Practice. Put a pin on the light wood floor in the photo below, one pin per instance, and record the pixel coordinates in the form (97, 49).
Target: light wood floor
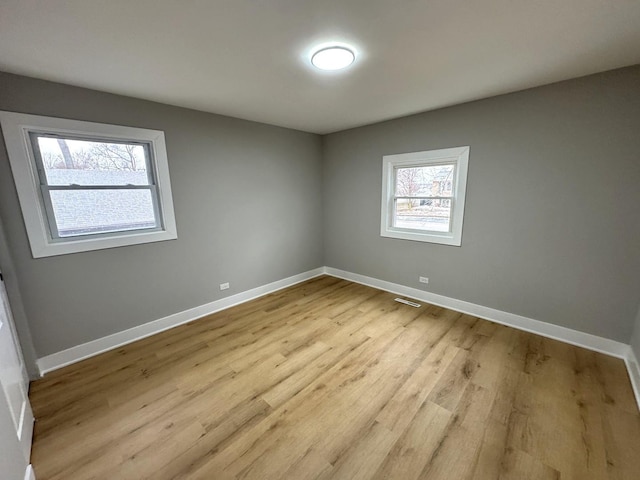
(330, 379)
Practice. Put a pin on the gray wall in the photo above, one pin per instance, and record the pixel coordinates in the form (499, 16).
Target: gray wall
(248, 205)
(635, 339)
(551, 228)
(552, 223)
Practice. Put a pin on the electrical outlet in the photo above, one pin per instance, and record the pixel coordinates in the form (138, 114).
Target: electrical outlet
(423, 279)
(224, 286)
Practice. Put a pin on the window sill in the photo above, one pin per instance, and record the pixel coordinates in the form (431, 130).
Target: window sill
(49, 249)
(430, 237)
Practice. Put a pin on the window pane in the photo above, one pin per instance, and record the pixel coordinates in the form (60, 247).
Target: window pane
(69, 161)
(432, 215)
(429, 181)
(83, 212)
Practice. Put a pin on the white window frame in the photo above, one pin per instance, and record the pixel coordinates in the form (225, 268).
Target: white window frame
(16, 128)
(458, 156)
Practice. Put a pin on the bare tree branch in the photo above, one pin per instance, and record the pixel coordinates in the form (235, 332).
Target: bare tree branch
(120, 157)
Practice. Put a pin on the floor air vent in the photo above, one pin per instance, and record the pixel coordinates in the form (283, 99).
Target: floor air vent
(407, 302)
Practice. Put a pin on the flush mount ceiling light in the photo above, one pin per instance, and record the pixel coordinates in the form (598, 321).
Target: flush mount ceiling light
(334, 57)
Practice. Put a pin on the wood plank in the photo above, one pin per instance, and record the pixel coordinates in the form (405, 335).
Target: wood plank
(418, 445)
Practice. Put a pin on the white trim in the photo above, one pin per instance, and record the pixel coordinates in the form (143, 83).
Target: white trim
(29, 474)
(633, 367)
(25, 432)
(16, 128)
(80, 352)
(458, 156)
(567, 335)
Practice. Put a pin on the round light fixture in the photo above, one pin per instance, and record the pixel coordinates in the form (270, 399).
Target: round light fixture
(333, 58)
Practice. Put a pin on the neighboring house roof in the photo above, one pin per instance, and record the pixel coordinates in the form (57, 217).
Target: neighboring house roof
(87, 211)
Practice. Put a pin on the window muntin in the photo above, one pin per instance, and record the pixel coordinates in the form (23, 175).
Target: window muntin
(87, 186)
(423, 195)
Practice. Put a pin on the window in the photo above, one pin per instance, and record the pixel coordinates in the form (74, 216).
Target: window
(423, 195)
(88, 186)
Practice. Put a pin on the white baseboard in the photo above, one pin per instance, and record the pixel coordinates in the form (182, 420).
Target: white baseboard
(29, 474)
(633, 367)
(567, 335)
(80, 352)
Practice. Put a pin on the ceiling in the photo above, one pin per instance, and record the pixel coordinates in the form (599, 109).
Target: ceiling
(250, 58)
